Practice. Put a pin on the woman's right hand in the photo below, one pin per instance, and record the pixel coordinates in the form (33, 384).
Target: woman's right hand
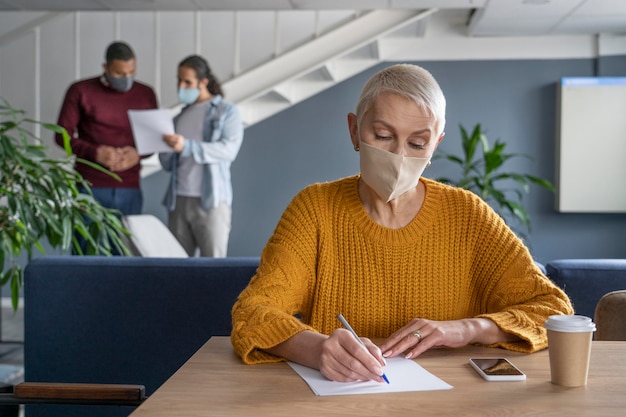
(344, 359)
(339, 357)
(174, 141)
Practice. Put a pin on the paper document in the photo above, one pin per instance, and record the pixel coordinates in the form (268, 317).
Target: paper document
(404, 375)
(148, 128)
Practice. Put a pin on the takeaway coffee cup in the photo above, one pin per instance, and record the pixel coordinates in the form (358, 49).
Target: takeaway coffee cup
(569, 345)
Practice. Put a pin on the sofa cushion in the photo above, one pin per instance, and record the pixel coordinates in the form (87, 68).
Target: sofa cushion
(586, 280)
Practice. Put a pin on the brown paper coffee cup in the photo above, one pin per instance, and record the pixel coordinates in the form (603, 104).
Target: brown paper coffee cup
(569, 347)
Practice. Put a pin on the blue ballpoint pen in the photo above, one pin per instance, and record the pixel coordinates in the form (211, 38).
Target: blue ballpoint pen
(351, 330)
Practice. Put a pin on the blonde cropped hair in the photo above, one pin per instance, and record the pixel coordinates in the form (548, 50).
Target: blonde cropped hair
(408, 81)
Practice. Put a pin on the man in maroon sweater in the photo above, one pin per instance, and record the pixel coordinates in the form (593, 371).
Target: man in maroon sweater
(95, 114)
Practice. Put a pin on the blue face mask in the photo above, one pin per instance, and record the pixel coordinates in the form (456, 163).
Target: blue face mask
(121, 84)
(188, 95)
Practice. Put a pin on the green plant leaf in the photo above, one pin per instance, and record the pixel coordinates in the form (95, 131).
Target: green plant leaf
(520, 212)
(42, 200)
(67, 233)
(98, 168)
(453, 158)
(6, 276)
(39, 248)
(541, 182)
(482, 173)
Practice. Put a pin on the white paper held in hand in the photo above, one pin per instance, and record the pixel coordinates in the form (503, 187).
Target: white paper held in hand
(148, 127)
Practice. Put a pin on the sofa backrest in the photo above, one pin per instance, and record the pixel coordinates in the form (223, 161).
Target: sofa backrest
(585, 281)
(122, 319)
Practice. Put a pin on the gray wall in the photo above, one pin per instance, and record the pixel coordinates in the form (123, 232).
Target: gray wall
(513, 100)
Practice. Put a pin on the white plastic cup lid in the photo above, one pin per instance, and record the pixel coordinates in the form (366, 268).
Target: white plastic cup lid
(570, 324)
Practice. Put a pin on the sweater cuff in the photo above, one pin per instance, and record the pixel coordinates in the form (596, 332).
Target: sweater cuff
(93, 150)
(533, 337)
(186, 152)
(248, 342)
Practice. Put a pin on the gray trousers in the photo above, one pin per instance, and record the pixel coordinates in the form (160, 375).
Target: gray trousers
(196, 228)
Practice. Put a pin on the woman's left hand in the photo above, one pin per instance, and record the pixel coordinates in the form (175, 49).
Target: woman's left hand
(419, 335)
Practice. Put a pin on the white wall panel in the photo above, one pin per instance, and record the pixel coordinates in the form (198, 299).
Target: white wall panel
(218, 43)
(14, 20)
(329, 19)
(96, 30)
(295, 27)
(257, 38)
(57, 70)
(177, 40)
(17, 73)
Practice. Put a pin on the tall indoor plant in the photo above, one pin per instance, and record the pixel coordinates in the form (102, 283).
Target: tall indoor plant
(482, 173)
(41, 199)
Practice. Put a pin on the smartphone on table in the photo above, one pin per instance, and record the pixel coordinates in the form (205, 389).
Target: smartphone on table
(497, 369)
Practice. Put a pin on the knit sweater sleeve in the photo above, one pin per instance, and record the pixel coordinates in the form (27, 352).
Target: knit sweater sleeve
(515, 293)
(522, 300)
(70, 118)
(265, 313)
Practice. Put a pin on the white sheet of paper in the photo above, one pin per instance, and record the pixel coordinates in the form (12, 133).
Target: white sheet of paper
(148, 128)
(403, 374)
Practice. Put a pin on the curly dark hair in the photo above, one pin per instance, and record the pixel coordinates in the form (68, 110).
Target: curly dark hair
(202, 69)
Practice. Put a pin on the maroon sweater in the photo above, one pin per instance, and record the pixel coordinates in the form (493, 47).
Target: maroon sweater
(95, 114)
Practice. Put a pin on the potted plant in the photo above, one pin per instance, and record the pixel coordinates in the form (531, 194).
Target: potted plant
(482, 173)
(40, 199)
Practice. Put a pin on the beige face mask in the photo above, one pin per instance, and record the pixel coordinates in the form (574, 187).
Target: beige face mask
(389, 174)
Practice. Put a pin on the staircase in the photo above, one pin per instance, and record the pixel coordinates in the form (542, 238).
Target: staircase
(322, 62)
(262, 89)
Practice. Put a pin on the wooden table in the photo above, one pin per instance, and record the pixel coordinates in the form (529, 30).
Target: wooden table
(215, 383)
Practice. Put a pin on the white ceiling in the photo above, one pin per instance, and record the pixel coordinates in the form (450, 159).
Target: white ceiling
(485, 17)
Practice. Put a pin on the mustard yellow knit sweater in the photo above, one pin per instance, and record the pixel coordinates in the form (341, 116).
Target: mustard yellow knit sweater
(456, 259)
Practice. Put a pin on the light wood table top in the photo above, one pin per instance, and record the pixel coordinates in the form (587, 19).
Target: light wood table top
(214, 382)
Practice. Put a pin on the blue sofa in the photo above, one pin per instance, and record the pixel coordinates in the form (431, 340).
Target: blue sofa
(127, 320)
(585, 281)
(137, 320)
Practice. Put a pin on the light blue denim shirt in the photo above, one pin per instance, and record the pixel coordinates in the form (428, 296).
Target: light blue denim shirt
(222, 135)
